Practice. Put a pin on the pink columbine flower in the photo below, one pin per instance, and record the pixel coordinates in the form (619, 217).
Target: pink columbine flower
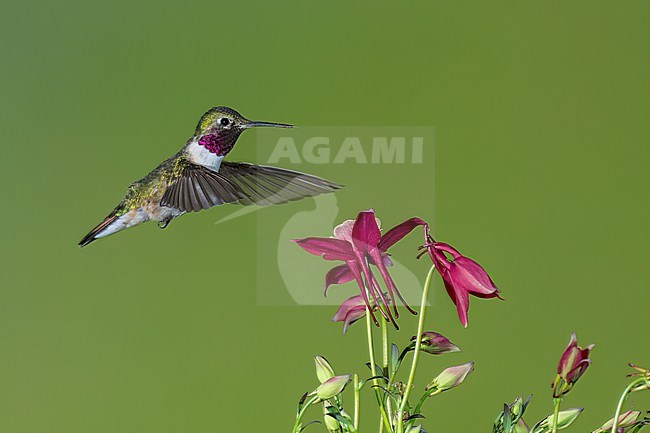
(573, 364)
(360, 244)
(461, 275)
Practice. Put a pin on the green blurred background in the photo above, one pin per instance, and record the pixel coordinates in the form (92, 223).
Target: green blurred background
(540, 111)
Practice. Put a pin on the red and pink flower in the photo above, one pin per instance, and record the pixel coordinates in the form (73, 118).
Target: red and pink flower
(462, 277)
(360, 245)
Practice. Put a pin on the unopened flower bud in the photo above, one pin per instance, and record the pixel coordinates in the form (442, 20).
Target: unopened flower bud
(626, 421)
(435, 344)
(324, 370)
(511, 419)
(331, 423)
(451, 377)
(332, 387)
(573, 364)
(564, 419)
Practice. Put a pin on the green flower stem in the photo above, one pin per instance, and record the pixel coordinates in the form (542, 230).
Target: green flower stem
(384, 350)
(301, 413)
(384, 344)
(416, 354)
(424, 398)
(622, 400)
(373, 368)
(556, 413)
(356, 401)
(391, 377)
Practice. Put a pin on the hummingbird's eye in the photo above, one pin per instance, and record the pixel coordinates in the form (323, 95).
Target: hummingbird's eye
(224, 121)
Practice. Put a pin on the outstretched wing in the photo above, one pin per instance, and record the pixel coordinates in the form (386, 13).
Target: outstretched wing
(237, 182)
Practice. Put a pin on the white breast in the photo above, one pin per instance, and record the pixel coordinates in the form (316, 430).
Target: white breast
(199, 155)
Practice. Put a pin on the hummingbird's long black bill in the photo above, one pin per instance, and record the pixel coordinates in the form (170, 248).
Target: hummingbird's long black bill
(255, 124)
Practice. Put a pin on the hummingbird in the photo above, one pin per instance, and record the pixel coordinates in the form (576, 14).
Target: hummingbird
(198, 178)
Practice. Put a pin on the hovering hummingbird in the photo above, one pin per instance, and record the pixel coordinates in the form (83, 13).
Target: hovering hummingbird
(198, 178)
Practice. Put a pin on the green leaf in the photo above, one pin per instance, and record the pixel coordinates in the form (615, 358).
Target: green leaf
(507, 418)
(384, 378)
(344, 421)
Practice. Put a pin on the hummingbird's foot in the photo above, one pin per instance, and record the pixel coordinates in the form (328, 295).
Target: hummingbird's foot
(162, 224)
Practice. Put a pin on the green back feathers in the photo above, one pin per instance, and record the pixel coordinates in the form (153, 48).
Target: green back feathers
(153, 185)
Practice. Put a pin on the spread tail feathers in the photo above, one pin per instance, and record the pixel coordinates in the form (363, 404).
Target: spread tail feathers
(94, 233)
